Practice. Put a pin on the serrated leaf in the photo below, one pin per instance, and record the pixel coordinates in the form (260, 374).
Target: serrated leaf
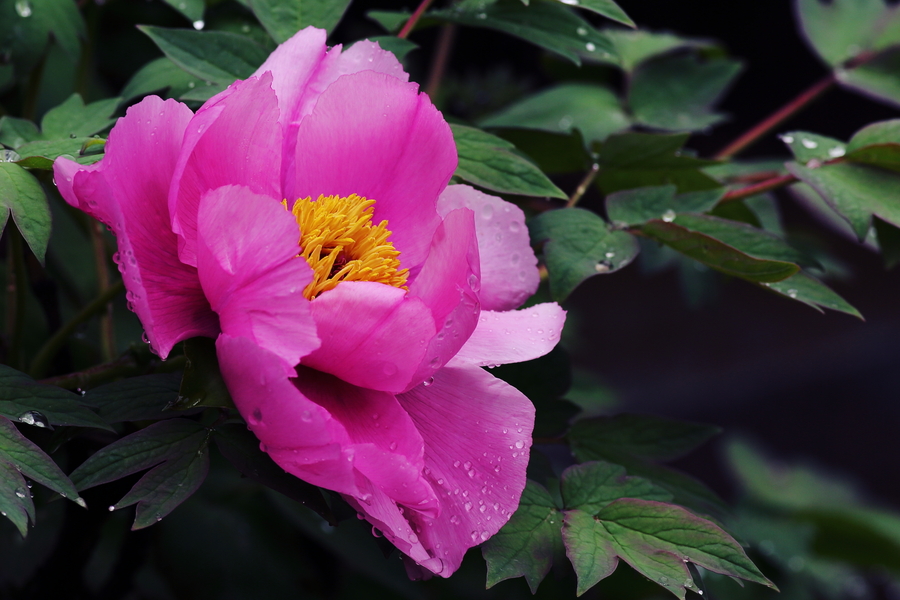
(72, 119)
(657, 540)
(22, 196)
(202, 383)
(636, 46)
(593, 110)
(635, 206)
(136, 399)
(15, 132)
(20, 455)
(842, 29)
(677, 93)
(716, 254)
(76, 149)
(605, 8)
(633, 160)
(805, 288)
(577, 245)
(241, 448)
(592, 485)
(878, 78)
(855, 191)
(27, 401)
(491, 163)
(284, 18)
(643, 436)
(214, 56)
(545, 24)
(807, 146)
(525, 546)
(191, 9)
(15, 497)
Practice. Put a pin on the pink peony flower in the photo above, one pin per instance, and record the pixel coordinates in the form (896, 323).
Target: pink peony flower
(357, 364)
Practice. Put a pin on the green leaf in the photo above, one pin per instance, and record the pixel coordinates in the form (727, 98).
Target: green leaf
(657, 540)
(717, 254)
(855, 191)
(578, 244)
(813, 147)
(526, 545)
(636, 206)
(20, 456)
(50, 150)
(877, 144)
(633, 160)
(398, 46)
(636, 46)
(676, 93)
(215, 56)
(492, 163)
(842, 29)
(553, 153)
(15, 132)
(159, 75)
(878, 78)
(593, 110)
(192, 9)
(22, 196)
(644, 436)
(177, 452)
(202, 384)
(27, 26)
(27, 401)
(545, 24)
(889, 242)
(391, 21)
(805, 288)
(137, 398)
(592, 485)
(241, 448)
(284, 18)
(605, 8)
(73, 119)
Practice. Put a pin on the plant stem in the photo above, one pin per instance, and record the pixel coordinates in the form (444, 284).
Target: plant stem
(776, 118)
(583, 186)
(33, 90)
(16, 283)
(51, 347)
(758, 188)
(408, 27)
(125, 366)
(107, 333)
(441, 57)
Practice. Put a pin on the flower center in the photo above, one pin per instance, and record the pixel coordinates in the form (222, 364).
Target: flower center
(340, 243)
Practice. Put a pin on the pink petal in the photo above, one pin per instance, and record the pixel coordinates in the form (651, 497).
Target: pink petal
(373, 335)
(128, 191)
(513, 336)
(301, 436)
(373, 135)
(233, 140)
(248, 266)
(448, 285)
(477, 432)
(509, 273)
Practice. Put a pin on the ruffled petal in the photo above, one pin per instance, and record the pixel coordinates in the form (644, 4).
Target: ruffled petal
(373, 335)
(509, 273)
(229, 141)
(248, 266)
(299, 435)
(448, 285)
(513, 336)
(477, 432)
(373, 135)
(128, 191)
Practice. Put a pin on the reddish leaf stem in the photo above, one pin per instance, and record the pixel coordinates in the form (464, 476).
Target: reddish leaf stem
(408, 27)
(440, 60)
(583, 186)
(758, 188)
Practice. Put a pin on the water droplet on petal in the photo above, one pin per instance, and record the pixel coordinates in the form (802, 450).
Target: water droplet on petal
(376, 533)
(520, 444)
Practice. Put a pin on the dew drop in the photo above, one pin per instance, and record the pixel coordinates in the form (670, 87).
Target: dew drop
(668, 216)
(487, 211)
(456, 463)
(581, 31)
(787, 139)
(33, 417)
(23, 7)
(520, 444)
(199, 24)
(590, 47)
(454, 519)
(376, 533)
(111, 508)
(20, 493)
(467, 506)
(428, 381)
(604, 266)
(792, 293)
(610, 254)
(836, 152)
(467, 465)
(471, 473)
(484, 536)
(306, 416)
(393, 446)
(810, 144)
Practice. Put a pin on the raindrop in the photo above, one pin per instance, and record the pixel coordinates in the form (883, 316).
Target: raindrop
(413, 538)
(428, 381)
(570, 2)
(514, 227)
(471, 473)
(787, 139)
(481, 16)
(455, 463)
(664, 581)
(198, 25)
(360, 516)
(366, 499)
(376, 533)
(496, 468)
(23, 7)
(484, 536)
(604, 266)
(520, 444)
(158, 518)
(668, 216)
(836, 152)
(306, 416)
(467, 465)
(454, 519)
(467, 506)
(191, 85)
(610, 254)
(393, 446)
(487, 211)
(10, 156)
(590, 47)
(111, 508)
(80, 502)
(20, 493)
(440, 482)
(792, 293)
(581, 31)
(33, 417)
(810, 144)
(482, 508)
(565, 122)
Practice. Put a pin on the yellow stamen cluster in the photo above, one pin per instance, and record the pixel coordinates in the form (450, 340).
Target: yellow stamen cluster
(340, 243)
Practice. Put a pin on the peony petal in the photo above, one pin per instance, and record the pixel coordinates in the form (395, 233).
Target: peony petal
(386, 448)
(513, 336)
(448, 285)
(373, 335)
(246, 258)
(128, 191)
(477, 432)
(373, 135)
(229, 141)
(301, 436)
(509, 273)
